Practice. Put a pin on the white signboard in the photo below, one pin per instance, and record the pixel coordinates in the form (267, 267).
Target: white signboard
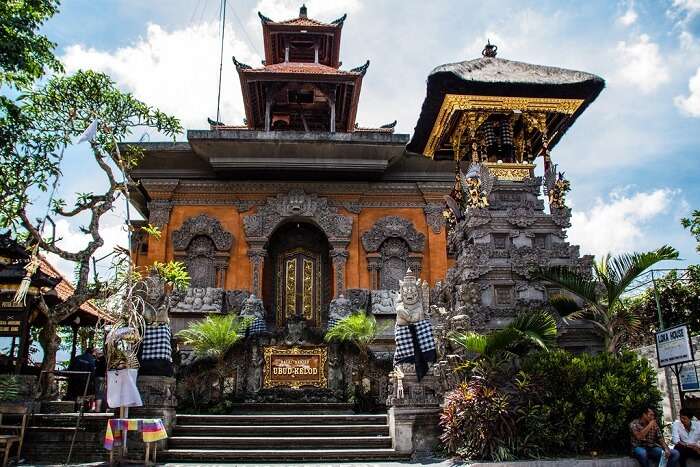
(673, 346)
(689, 378)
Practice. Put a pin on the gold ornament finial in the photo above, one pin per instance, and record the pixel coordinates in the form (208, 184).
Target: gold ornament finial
(489, 50)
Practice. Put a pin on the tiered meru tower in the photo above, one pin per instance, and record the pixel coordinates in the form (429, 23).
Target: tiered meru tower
(504, 115)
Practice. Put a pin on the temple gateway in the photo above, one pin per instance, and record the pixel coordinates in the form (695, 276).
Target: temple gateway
(302, 215)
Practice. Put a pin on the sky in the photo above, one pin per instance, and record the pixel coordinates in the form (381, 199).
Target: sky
(631, 157)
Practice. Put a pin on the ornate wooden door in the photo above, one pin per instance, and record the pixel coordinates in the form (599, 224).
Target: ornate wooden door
(298, 286)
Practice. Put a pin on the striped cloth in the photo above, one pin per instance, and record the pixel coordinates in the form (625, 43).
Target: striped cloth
(152, 430)
(415, 344)
(332, 322)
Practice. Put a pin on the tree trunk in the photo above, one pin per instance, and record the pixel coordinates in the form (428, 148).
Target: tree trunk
(49, 340)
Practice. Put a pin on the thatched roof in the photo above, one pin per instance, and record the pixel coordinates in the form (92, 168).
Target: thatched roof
(491, 76)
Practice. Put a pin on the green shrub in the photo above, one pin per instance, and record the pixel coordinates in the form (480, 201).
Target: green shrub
(558, 404)
(9, 388)
(592, 397)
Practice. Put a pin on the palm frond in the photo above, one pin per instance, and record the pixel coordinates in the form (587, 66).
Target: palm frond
(564, 305)
(624, 269)
(539, 324)
(215, 335)
(360, 328)
(470, 341)
(572, 281)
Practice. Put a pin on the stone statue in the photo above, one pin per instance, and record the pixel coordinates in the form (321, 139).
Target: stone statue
(338, 309)
(383, 302)
(253, 308)
(335, 369)
(295, 331)
(413, 332)
(155, 301)
(257, 360)
(412, 303)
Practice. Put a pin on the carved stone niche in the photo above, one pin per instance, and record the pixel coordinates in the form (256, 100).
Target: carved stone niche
(393, 245)
(205, 247)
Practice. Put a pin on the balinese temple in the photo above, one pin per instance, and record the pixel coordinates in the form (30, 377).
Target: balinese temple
(315, 213)
(17, 318)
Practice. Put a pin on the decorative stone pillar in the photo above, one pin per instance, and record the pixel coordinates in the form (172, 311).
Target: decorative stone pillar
(414, 415)
(257, 258)
(340, 258)
(221, 264)
(374, 264)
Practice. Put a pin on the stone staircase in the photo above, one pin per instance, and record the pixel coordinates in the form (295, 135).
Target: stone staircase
(281, 432)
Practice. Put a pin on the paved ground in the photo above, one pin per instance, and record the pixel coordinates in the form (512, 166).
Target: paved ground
(355, 464)
(429, 462)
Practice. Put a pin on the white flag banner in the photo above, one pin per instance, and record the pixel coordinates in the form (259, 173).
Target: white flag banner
(89, 132)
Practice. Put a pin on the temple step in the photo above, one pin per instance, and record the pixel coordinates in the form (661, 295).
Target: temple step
(292, 407)
(294, 443)
(282, 419)
(276, 432)
(279, 455)
(281, 430)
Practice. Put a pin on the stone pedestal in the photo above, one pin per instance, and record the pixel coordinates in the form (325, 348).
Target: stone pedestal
(414, 416)
(414, 430)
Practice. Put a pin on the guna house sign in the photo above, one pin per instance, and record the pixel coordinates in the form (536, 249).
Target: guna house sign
(295, 367)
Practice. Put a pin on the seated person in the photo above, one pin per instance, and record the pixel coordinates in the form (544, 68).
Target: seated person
(647, 441)
(685, 435)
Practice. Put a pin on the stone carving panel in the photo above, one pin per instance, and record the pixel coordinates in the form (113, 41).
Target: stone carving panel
(202, 225)
(298, 204)
(394, 263)
(359, 298)
(434, 217)
(393, 226)
(198, 299)
(205, 248)
(384, 302)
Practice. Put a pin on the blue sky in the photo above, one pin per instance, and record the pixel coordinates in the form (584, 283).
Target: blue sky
(632, 157)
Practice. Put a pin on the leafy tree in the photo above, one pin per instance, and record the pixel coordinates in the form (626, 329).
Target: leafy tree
(679, 300)
(603, 293)
(24, 54)
(58, 112)
(214, 337)
(692, 223)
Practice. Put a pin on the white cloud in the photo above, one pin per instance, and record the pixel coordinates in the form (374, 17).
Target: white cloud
(628, 18)
(176, 71)
(618, 224)
(687, 5)
(690, 104)
(641, 64)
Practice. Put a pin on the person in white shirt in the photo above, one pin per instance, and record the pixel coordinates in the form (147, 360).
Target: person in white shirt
(685, 435)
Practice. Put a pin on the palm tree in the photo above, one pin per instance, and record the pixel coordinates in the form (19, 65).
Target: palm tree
(360, 329)
(214, 337)
(602, 293)
(533, 330)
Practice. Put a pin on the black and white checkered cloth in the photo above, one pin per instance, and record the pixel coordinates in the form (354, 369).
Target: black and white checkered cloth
(332, 322)
(415, 344)
(405, 349)
(156, 343)
(258, 326)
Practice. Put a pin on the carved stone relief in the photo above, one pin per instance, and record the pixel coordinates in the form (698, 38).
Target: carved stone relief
(393, 226)
(434, 217)
(205, 248)
(159, 212)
